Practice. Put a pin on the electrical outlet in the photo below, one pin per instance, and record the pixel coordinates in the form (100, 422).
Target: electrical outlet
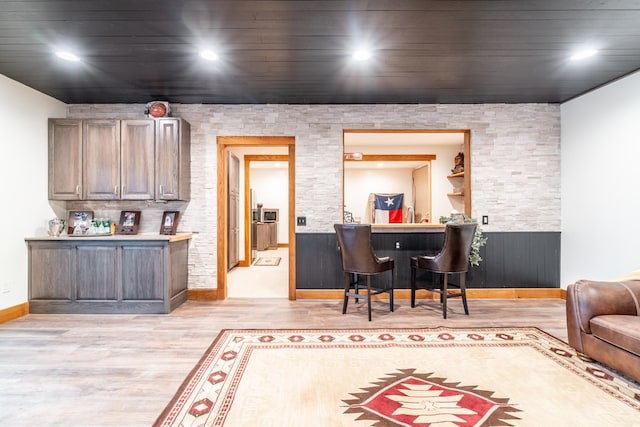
(397, 245)
(6, 287)
(485, 219)
(302, 221)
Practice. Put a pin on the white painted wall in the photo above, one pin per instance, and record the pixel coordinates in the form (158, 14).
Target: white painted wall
(272, 190)
(600, 177)
(360, 183)
(23, 174)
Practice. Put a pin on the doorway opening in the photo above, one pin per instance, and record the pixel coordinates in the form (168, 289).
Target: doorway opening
(255, 144)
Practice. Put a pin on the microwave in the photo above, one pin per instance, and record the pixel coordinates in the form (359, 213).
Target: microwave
(270, 215)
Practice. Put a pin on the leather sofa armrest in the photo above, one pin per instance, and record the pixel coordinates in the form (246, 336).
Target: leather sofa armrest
(587, 299)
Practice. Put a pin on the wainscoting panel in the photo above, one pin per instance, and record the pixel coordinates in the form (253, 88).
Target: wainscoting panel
(510, 259)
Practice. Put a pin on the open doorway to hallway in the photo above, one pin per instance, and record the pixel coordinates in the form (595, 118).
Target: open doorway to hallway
(263, 271)
(284, 272)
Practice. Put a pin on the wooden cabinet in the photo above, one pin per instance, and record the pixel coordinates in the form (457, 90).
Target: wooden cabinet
(142, 271)
(266, 235)
(173, 159)
(108, 275)
(137, 148)
(96, 159)
(101, 159)
(96, 270)
(50, 272)
(65, 159)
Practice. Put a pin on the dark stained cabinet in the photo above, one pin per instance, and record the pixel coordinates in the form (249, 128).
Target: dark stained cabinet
(50, 272)
(65, 159)
(142, 269)
(96, 159)
(137, 159)
(127, 274)
(101, 159)
(96, 272)
(173, 159)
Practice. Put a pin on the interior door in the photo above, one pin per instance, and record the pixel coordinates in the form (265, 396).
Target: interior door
(233, 209)
(422, 192)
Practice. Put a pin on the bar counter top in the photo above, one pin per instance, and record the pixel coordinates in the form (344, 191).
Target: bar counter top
(424, 227)
(129, 237)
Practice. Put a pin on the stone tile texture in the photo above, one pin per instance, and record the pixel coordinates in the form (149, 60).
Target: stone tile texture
(515, 160)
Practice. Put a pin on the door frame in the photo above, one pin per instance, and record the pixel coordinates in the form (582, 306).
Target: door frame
(248, 158)
(223, 142)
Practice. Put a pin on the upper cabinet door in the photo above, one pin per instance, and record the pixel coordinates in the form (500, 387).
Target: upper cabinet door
(101, 144)
(173, 178)
(137, 151)
(65, 159)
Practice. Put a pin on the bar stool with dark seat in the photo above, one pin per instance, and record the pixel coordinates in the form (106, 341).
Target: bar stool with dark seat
(359, 259)
(452, 259)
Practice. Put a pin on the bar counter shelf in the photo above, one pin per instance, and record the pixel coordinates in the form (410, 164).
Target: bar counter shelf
(124, 274)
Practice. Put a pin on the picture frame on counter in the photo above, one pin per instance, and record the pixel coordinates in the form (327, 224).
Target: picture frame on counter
(129, 222)
(81, 220)
(169, 223)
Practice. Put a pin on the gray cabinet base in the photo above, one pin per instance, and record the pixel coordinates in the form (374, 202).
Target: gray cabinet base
(107, 276)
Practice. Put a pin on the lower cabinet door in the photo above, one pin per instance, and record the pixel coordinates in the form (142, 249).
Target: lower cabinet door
(96, 273)
(143, 273)
(50, 272)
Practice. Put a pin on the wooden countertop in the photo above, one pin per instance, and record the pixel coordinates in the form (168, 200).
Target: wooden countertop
(137, 237)
(407, 228)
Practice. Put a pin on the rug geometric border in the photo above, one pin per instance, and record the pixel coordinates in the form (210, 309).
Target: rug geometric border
(197, 396)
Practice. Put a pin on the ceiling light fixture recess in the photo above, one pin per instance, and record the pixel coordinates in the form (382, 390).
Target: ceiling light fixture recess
(67, 56)
(209, 55)
(583, 54)
(362, 54)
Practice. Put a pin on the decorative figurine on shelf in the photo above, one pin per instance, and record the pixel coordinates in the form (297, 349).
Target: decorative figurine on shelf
(458, 163)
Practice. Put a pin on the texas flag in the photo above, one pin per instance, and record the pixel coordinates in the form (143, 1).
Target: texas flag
(388, 208)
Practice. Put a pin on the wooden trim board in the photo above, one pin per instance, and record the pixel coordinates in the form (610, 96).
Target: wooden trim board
(11, 313)
(338, 294)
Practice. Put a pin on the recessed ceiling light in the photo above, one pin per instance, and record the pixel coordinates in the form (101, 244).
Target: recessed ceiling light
(362, 54)
(209, 55)
(67, 56)
(583, 54)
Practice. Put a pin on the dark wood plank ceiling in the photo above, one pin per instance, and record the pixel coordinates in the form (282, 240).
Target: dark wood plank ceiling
(298, 52)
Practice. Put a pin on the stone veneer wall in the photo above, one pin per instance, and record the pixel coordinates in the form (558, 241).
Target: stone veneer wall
(515, 160)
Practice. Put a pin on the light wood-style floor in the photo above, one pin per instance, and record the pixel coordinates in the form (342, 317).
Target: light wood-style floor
(122, 370)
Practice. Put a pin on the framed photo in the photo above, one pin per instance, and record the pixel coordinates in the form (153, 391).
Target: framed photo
(169, 223)
(129, 222)
(80, 220)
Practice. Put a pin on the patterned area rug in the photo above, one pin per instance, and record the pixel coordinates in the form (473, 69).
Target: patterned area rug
(442, 377)
(266, 261)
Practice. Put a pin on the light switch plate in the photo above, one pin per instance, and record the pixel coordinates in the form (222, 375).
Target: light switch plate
(302, 221)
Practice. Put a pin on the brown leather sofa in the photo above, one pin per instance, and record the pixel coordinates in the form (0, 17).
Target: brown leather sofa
(603, 322)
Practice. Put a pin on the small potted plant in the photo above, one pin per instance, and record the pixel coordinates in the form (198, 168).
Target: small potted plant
(479, 240)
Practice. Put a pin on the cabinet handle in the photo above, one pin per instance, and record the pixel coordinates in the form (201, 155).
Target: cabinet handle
(160, 188)
(124, 189)
(115, 190)
(78, 189)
